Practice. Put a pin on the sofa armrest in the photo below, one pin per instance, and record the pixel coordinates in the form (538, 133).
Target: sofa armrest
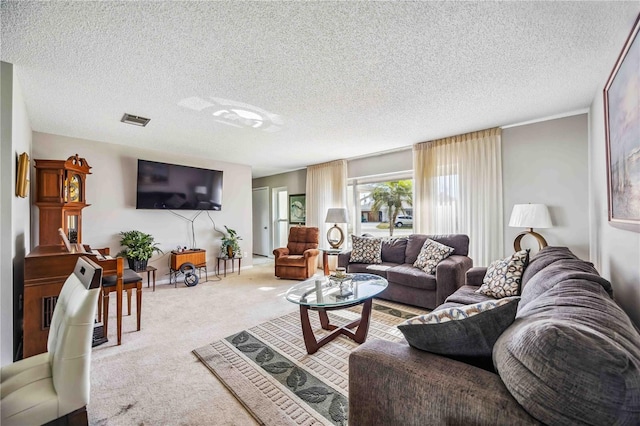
(450, 274)
(343, 259)
(394, 384)
(475, 275)
(310, 253)
(279, 252)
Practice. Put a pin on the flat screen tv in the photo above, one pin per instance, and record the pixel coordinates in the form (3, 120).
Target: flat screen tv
(173, 187)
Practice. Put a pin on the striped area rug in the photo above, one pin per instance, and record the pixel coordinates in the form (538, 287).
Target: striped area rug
(269, 371)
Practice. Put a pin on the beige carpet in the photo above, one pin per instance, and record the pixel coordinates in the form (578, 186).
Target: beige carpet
(269, 371)
(153, 378)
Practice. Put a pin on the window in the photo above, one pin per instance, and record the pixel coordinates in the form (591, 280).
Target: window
(368, 199)
(281, 218)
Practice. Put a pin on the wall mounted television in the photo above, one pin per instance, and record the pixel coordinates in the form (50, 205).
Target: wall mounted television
(174, 187)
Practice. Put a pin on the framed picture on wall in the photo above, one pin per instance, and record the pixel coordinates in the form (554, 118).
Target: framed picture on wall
(622, 132)
(297, 209)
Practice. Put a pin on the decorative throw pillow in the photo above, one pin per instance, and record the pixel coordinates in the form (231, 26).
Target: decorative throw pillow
(431, 254)
(365, 250)
(469, 330)
(504, 276)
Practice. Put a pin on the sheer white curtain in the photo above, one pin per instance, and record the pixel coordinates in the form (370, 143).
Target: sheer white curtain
(326, 188)
(458, 189)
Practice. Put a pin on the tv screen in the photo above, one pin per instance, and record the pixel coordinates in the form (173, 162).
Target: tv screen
(174, 187)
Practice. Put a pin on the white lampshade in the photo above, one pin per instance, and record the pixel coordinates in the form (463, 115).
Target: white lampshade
(337, 215)
(530, 216)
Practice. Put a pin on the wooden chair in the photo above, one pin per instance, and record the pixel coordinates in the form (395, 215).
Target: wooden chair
(127, 280)
(299, 259)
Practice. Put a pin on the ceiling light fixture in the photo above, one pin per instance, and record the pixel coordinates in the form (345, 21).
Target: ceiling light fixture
(236, 114)
(135, 120)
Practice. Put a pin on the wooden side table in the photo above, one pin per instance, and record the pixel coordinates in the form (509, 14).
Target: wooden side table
(224, 259)
(325, 258)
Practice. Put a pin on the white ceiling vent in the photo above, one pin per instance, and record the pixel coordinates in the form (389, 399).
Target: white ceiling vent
(134, 119)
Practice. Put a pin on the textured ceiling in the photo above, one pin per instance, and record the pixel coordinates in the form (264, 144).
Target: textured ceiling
(281, 85)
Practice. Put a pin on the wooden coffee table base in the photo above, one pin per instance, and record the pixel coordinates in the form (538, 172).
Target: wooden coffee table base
(359, 336)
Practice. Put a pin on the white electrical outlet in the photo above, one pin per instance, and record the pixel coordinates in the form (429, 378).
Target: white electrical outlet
(245, 254)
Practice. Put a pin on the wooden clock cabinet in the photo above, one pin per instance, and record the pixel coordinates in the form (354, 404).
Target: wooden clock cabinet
(60, 197)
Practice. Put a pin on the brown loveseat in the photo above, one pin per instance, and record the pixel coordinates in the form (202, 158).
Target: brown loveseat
(411, 285)
(572, 356)
(299, 259)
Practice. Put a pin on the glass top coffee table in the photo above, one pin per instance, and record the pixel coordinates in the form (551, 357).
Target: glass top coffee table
(324, 294)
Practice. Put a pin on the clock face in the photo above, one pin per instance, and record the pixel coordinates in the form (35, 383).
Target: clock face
(74, 188)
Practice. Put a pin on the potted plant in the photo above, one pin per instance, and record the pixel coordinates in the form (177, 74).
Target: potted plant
(230, 246)
(139, 247)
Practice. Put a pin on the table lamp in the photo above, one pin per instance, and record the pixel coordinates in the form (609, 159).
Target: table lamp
(335, 216)
(530, 216)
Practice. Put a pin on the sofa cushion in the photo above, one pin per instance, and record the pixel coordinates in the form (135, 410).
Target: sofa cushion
(431, 254)
(562, 270)
(467, 295)
(469, 330)
(459, 242)
(365, 250)
(572, 356)
(547, 256)
(393, 249)
(409, 276)
(504, 275)
(414, 245)
(302, 238)
(292, 260)
(371, 268)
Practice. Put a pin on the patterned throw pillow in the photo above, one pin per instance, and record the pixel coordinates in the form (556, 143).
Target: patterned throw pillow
(504, 276)
(365, 250)
(469, 330)
(431, 254)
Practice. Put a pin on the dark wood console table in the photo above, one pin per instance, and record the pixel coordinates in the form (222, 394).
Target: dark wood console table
(46, 269)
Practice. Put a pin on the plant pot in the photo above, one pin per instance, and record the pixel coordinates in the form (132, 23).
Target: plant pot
(229, 251)
(137, 265)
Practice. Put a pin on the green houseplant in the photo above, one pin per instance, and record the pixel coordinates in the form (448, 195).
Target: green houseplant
(230, 246)
(139, 247)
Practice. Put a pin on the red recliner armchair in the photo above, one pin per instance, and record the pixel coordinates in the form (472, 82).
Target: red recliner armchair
(299, 260)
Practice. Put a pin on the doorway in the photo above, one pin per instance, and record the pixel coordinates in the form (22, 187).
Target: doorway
(261, 240)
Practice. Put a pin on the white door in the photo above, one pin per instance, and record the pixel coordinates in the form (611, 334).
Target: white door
(261, 242)
(280, 216)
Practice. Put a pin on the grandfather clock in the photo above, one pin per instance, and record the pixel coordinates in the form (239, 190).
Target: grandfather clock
(60, 196)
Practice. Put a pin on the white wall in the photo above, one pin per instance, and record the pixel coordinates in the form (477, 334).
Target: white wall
(547, 163)
(295, 181)
(389, 162)
(6, 161)
(14, 228)
(615, 252)
(111, 191)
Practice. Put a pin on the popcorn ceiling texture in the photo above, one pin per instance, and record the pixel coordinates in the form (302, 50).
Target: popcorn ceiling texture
(345, 79)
